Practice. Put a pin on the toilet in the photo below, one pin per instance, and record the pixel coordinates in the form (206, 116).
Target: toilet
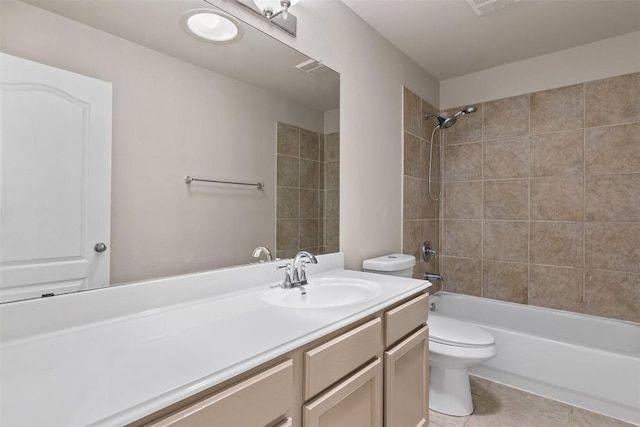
(454, 346)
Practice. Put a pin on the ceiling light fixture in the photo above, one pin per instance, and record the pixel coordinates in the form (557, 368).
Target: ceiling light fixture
(277, 12)
(272, 8)
(212, 26)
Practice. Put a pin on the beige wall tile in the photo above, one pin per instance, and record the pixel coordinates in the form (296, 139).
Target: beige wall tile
(309, 145)
(412, 112)
(612, 101)
(612, 197)
(462, 200)
(412, 196)
(462, 162)
(428, 124)
(506, 158)
(557, 154)
(557, 198)
(415, 233)
(468, 128)
(308, 233)
(288, 202)
(331, 150)
(612, 246)
(462, 275)
(433, 153)
(506, 281)
(332, 233)
(612, 149)
(288, 171)
(557, 243)
(462, 238)
(612, 294)
(332, 203)
(412, 155)
(506, 240)
(557, 109)
(309, 203)
(428, 206)
(506, 199)
(332, 175)
(506, 117)
(309, 174)
(560, 288)
(287, 234)
(288, 139)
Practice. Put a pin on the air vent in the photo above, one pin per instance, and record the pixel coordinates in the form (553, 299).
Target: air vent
(312, 67)
(484, 7)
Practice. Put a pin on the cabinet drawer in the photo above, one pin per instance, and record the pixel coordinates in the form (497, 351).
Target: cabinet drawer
(356, 401)
(405, 318)
(256, 401)
(329, 362)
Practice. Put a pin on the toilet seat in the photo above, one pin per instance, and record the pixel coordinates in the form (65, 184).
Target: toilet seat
(448, 331)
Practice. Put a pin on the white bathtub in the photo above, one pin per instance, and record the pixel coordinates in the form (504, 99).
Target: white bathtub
(585, 361)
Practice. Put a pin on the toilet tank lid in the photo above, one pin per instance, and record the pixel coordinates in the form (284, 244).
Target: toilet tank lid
(393, 262)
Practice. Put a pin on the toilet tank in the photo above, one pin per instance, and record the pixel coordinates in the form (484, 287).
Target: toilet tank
(400, 265)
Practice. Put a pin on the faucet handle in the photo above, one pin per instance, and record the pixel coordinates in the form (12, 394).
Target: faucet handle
(287, 281)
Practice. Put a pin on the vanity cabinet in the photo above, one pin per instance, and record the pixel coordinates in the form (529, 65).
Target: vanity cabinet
(260, 400)
(356, 401)
(372, 373)
(406, 360)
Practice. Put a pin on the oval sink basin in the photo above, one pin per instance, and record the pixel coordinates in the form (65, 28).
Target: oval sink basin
(324, 293)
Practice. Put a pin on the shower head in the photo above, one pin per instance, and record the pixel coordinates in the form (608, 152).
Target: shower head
(447, 122)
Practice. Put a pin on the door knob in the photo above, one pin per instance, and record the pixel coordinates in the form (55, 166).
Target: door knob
(100, 247)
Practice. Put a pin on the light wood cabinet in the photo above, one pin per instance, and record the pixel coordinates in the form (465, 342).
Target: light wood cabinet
(406, 390)
(259, 400)
(355, 402)
(344, 379)
(327, 363)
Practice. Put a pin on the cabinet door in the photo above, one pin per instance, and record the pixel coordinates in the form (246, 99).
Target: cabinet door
(257, 401)
(355, 402)
(406, 390)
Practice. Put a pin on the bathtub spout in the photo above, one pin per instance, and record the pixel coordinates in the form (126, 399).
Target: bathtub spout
(431, 277)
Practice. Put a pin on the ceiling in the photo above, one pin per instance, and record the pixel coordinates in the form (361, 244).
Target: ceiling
(256, 59)
(448, 39)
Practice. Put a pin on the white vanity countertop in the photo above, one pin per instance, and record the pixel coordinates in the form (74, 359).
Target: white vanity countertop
(111, 370)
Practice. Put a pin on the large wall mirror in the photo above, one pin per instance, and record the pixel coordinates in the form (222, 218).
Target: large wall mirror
(253, 110)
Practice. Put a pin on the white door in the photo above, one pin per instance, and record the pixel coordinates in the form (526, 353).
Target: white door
(55, 174)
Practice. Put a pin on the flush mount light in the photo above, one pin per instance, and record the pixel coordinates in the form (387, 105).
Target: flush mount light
(212, 26)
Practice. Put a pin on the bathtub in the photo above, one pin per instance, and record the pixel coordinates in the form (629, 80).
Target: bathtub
(585, 361)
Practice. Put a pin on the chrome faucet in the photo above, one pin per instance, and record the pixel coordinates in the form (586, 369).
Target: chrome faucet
(262, 250)
(295, 274)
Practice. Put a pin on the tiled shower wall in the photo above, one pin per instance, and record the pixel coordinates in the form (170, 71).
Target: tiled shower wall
(541, 200)
(420, 212)
(308, 183)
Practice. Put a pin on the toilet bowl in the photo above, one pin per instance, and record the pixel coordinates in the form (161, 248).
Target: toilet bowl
(454, 346)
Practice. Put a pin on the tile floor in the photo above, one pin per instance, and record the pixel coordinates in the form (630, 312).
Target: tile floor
(501, 406)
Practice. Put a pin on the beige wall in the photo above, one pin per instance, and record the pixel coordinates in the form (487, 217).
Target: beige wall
(541, 199)
(606, 58)
(169, 122)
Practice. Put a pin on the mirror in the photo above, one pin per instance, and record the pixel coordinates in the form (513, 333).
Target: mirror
(181, 106)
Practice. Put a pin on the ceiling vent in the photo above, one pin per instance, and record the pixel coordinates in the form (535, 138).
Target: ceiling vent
(484, 7)
(312, 67)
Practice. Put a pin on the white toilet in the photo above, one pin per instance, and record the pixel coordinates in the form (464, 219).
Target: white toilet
(454, 346)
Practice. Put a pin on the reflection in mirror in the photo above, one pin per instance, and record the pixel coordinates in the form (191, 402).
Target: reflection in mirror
(179, 107)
